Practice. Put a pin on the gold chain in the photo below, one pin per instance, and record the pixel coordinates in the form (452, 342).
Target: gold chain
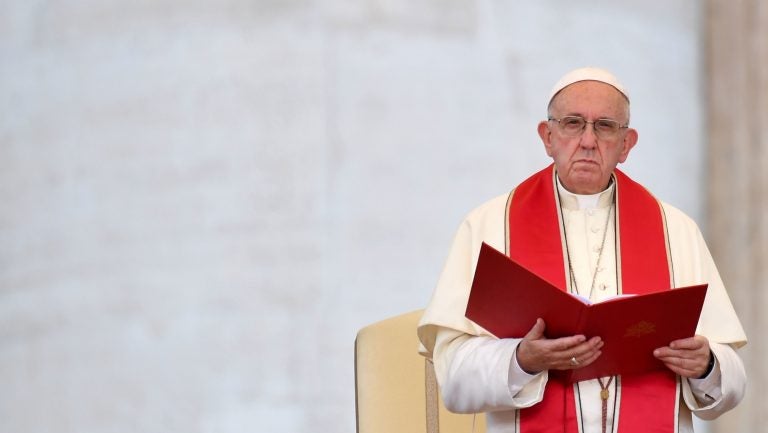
(604, 391)
(599, 257)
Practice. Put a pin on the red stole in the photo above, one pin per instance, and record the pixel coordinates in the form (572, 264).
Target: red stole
(647, 403)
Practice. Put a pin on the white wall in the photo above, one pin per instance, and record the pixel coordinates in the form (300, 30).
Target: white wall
(201, 202)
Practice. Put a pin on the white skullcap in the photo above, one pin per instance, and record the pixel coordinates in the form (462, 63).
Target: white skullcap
(587, 74)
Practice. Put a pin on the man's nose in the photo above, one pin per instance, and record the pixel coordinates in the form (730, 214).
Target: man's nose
(588, 136)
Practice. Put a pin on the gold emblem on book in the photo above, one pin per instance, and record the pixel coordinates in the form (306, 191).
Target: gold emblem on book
(640, 329)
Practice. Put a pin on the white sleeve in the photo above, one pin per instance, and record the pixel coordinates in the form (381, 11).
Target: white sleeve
(722, 389)
(481, 374)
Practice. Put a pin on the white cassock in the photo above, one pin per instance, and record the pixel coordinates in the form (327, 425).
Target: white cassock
(479, 373)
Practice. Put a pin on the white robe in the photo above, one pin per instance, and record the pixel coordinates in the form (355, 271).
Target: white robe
(479, 373)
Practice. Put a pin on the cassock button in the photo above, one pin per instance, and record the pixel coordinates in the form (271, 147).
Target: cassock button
(595, 229)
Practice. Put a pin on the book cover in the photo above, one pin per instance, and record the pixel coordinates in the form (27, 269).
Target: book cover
(506, 299)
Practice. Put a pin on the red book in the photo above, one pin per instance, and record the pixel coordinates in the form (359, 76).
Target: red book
(506, 299)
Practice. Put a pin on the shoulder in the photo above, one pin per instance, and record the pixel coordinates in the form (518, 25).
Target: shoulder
(485, 223)
(489, 216)
(678, 220)
(490, 208)
(685, 237)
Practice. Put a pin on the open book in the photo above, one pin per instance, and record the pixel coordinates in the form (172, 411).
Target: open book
(506, 299)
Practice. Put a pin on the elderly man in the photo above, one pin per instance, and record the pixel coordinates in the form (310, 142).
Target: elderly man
(589, 228)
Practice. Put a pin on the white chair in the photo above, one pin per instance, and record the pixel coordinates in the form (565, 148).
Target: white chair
(395, 387)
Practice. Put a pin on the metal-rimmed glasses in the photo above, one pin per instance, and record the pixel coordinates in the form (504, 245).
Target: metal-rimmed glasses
(574, 126)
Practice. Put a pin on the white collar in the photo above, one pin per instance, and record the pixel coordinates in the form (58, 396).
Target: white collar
(569, 200)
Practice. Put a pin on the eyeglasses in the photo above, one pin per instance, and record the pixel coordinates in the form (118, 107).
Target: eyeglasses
(574, 126)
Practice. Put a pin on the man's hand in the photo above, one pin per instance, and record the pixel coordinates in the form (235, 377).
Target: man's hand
(537, 353)
(688, 357)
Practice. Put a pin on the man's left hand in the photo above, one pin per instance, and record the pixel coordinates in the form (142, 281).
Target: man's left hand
(688, 357)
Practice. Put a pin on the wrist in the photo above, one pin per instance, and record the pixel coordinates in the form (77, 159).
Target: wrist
(710, 366)
(520, 365)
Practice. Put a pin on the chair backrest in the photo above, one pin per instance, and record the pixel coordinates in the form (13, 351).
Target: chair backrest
(395, 387)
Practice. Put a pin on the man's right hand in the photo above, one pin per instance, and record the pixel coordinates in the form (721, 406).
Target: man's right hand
(536, 353)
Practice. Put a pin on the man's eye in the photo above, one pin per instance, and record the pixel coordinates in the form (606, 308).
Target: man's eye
(606, 125)
(572, 122)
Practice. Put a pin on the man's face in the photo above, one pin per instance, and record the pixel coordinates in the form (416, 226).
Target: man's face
(585, 162)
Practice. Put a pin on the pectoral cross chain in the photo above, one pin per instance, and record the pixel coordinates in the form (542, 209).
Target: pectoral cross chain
(604, 394)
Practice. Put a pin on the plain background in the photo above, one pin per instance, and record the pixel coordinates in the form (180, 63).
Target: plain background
(202, 202)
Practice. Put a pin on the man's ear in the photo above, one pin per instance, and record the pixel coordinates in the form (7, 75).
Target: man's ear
(546, 136)
(630, 139)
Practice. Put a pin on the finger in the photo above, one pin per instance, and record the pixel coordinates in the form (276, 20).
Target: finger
(587, 348)
(702, 353)
(588, 351)
(688, 364)
(567, 344)
(677, 370)
(686, 344)
(537, 331)
(665, 352)
(589, 359)
(686, 367)
(693, 343)
(543, 354)
(579, 361)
